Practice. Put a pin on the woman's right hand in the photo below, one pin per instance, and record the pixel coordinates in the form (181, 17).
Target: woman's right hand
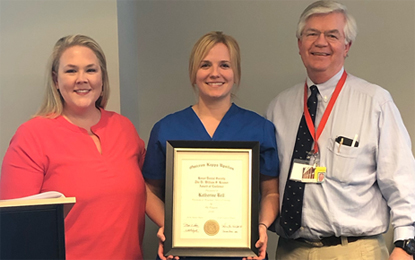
(162, 238)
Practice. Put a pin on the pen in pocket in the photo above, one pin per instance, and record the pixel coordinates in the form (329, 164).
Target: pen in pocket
(354, 140)
(340, 144)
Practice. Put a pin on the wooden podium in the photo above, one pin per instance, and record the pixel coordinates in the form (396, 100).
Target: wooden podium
(33, 228)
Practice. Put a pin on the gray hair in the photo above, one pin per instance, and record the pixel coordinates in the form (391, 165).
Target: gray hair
(326, 7)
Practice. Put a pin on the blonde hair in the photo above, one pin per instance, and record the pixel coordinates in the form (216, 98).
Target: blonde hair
(205, 44)
(53, 101)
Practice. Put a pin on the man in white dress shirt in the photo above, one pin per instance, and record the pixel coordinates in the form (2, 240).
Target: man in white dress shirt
(361, 149)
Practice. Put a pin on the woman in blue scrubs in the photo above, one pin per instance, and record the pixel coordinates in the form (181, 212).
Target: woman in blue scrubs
(215, 70)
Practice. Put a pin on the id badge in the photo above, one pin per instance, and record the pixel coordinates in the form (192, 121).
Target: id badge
(307, 171)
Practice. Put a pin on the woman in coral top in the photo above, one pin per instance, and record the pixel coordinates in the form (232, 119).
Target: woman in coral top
(74, 146)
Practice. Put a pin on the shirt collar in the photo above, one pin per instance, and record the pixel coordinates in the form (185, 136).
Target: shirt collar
(326, 89)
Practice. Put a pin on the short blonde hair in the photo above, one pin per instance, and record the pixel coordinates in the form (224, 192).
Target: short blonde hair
(205, 44)
(53, 101)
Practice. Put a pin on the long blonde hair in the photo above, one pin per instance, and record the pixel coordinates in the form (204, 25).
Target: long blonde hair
(53, 101)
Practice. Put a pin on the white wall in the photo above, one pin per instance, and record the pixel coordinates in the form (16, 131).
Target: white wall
(28, 31)
(163, 33)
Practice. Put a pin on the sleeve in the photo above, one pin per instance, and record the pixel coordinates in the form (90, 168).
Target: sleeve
(141, 157)
(155, 162)
(396, 171)
(141, 150)
(269, 163)
(140, 143)
(23, 167)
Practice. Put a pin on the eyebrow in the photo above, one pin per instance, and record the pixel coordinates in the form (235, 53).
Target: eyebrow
(329, 31)
(74, 66)
(219, 61)
(333, 31)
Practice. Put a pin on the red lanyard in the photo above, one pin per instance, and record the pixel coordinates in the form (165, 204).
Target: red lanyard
(326, 114)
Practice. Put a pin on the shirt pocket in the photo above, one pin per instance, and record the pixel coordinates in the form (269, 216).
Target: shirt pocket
(341, 160)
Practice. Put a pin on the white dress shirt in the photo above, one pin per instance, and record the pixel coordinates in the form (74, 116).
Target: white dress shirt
(363, 184)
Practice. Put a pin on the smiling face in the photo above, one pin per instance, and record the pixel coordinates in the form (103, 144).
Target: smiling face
(215, 76)
(322, 46)
(79, 79)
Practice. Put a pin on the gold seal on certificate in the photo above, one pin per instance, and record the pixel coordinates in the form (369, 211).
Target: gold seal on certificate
(211, 227)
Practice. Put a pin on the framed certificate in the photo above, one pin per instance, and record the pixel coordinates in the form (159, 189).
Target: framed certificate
(211, 202)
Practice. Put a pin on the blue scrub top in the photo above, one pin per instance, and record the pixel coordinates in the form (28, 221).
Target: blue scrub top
(238, 124)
